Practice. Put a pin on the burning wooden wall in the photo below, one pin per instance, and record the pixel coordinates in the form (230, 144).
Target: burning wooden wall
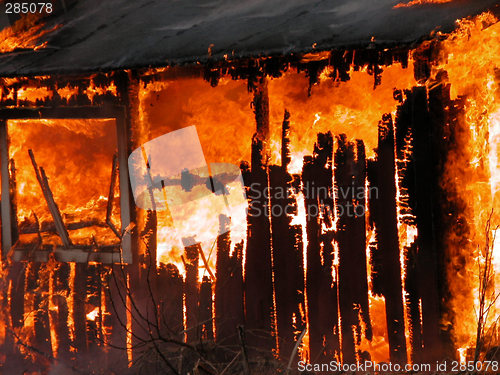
(359, 263)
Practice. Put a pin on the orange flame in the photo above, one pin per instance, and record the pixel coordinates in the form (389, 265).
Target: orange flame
(420, 2)
(470, 58)
(24, 34)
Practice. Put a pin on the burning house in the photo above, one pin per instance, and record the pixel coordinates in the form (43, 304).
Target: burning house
(364, 136)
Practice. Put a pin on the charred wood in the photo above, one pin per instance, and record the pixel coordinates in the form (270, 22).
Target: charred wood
(258, 274)
(170, 293)
(115, 323)
(388, 241)
(95, 338)
(13, 200)
(32, 228)
(321, 288)
(413, 302)
(229, 308)
(206, 321)
(192, 289)
(287, 252)
(59, 312)
(79, 293)
(350, 173)
(426, 178)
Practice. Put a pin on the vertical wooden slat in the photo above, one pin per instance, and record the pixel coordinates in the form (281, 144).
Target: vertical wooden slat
(191, 289)
(321, 287)
(41, 274)
(170, 293)
(286, 266)
(359, 239)
(92, 292)
(115, 323)
(344, 168)
(59, 314)
(229, 308)
(7, 240)
(16, 279)
(143, 314)
(207, 331)
(259, 307)
(425, 216)
(413, 302)
(388, 241)
(13, 200)
(79, 294)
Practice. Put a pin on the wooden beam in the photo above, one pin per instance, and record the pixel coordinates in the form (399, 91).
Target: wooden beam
(111, 195)
(75, 112)
(388, 241)
(425, 212)
(206, 321)
(126, 201)
(170, 301)
(49, 198)
(229, 303)
(59, 313)
(321, 287)
(344, 168)
(78, 296)
(259, 299)
(7, 240)
(287, 252)
(191, 290)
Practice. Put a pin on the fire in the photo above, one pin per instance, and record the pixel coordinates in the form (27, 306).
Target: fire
(225, 124)
(421, 2)
(469, 57)
(93, 314)
(24, 34)
(79, 183)
(77, 156)
(351, 107)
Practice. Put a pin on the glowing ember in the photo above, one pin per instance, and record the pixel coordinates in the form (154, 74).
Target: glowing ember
(420, 2)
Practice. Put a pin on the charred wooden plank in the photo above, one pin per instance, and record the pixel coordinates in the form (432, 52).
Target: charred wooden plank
(79, 294)
(258, 281)
(115, 323)
(36, 290)
(59, 312)
(93, 303)
(49, 226)
(109, 208)
(141, 290)
(345, 167)
(7, 239)
(170, 288)
(229, 308)
(321, 288)
(206, 321)
(287, 252)
(448, 207)
(388, 241)
(359, 243)
(426, 180)
(313, 272)
(13, 198)
(413, 302)
(191, 289)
